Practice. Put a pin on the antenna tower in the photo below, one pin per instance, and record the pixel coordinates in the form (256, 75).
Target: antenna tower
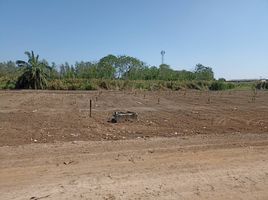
(163, 56)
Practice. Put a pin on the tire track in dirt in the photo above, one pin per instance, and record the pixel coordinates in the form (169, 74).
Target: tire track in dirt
(196, 167)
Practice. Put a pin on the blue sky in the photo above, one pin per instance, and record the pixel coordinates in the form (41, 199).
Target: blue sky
(231, 36)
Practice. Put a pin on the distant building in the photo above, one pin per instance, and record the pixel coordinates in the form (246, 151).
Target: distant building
(247, 80)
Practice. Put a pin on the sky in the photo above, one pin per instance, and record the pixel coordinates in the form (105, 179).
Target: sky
(231, 36)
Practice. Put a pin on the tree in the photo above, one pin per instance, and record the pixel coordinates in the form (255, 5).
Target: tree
(86, 69)
(127, 66)
(34, 73)
(204, 73)
(54, 74)
(138, 71)
(67, 71)
(166, 73)
(151, 73)
(107, 67)
(8, 69)
(184, 75)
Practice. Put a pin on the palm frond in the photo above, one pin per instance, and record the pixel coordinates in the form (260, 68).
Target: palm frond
(28, 54)
(21, 63)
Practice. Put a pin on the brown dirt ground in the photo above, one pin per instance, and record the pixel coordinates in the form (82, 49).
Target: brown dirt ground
(45, 117)
(192, 145)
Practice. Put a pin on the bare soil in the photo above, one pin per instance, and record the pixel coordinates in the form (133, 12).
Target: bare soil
(45, 117)
(190, 145)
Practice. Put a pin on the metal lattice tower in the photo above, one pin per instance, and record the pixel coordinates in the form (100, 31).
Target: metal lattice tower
(163, 56)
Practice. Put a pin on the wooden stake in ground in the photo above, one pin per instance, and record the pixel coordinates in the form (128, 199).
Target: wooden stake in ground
(209, 98)
(90, 108)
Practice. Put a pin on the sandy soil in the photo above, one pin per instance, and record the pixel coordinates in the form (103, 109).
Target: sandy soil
(192, 145)
(193, 167)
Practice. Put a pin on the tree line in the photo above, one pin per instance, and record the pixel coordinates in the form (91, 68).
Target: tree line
(35, 73)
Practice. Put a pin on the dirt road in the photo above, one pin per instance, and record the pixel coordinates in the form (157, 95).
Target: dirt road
(186, 167)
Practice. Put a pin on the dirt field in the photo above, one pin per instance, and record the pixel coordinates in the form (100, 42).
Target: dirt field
(43, 117)
(190, 145)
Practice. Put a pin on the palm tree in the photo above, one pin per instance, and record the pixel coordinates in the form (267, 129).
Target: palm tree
(34, 73)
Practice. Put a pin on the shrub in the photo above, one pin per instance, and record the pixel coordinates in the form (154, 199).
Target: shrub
(71, 84)
(10, 85)
(89, 86)
(103, 85)
(220, 85)
(262, 85)
(192, 85)
(57, 85)
(150, 85)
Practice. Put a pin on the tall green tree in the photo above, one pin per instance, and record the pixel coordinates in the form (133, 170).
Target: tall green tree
(8, 69)
(150, 73)
(185, 75)
(34, 72)
(204, 73)
(107, 67)
(126, 65)
(67, 71)
(166, 73)
(54, 74)
(86, 69)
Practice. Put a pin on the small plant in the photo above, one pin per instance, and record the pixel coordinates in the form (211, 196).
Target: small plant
(254, 95)
(209, 98)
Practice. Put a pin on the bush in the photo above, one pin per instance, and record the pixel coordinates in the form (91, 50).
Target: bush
(177, 86)
(7, 84)
(150, 85)
(220, 85)
(217, 86)
(103, 85)
(192, 85)
(262, 85)
(57, 85)
(88, 86)
(71, 84)
(10, 85)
